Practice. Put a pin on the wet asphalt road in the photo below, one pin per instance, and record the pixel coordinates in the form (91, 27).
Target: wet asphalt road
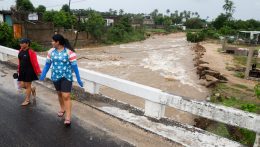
(34, 126)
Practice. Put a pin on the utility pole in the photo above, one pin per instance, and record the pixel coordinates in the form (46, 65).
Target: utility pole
(69, 5)
(248, 64)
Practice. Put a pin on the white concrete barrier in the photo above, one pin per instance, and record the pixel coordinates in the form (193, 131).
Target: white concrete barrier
(156, 100)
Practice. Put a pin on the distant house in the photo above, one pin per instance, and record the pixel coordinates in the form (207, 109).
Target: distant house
(5, 16)
(179, 26)
(109, 22)
(148, 20)
(249, 37)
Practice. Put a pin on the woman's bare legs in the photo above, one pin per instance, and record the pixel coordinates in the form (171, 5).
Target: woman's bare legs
(22, 84)
(27, 86)
(67, 104)
(62, 107)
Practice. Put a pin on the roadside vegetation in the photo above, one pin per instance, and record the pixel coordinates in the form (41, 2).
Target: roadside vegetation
(223, 25)
(239, 96)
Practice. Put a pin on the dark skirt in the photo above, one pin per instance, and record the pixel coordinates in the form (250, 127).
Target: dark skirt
(26, 73)
(28, 76)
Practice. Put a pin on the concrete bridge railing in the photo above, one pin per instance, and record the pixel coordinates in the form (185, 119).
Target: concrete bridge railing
(156, 99)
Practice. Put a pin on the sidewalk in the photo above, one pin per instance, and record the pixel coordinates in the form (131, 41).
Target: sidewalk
(87, 117)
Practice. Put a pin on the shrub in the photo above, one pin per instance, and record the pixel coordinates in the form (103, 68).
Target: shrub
(14, 43)
(227, 31)
(6, 34)
(249, 107)
(257, 90)
(195, 37)
(194, 23)
(37, 47)
(212, 34)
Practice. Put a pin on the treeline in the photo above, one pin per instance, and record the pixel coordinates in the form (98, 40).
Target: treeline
(224, 25)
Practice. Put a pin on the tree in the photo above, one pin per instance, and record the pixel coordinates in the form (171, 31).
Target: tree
(159, 20)
(154, 13)
(121, 12)
(114, 13)
(95, 25)
(220, 21)
(168, 11)
(195, 37)
(121, 30)
(60, 19)
(40, 9)
(229, 7)
(65, 8)
(111, 11)
(197, 14)
(167, 22)
(194, 23)
(24, 5)
(6, 34)
(49, 15)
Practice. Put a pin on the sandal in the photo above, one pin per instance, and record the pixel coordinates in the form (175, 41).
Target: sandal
(67, 123)
(34, 91)
(61, 113)
(25, 103)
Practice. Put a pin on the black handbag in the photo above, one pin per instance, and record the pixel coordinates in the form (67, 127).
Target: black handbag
(15, 75)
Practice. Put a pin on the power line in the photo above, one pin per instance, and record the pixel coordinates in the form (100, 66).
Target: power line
(58, 5)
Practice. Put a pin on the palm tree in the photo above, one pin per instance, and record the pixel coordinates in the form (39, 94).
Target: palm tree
(188, 14)
(114, 12)
(197, 14)
(154, 13)
(121, 12)
(229, 7)
(168, 11)
(192, 14)
(110, 11)
(176, 13)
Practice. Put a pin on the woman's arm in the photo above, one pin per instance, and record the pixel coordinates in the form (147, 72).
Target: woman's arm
(76, 70)
(45, 70)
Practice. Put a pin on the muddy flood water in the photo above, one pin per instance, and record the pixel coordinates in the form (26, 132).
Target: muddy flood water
(164, 62)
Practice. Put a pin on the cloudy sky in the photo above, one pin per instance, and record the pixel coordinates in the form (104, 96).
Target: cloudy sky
(245, 9)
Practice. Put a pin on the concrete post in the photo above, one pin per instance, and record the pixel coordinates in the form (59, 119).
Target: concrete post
(91, 87)
(3, 57)
(248, 64)
(257, 140)
(154, 110)
(224, 41)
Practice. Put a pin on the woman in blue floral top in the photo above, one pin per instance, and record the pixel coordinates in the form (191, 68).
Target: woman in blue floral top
(63, 60)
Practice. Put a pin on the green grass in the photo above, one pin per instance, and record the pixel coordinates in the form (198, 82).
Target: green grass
(248, 137)
(240, 86)
(128, 37)
(237, 96)
(242, 60)
(220, 129)
(233, 97)
(239, 104)
(239, 74)
(194, 30)
(156, 30)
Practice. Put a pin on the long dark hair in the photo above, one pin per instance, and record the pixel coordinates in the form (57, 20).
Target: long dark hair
(63, 41)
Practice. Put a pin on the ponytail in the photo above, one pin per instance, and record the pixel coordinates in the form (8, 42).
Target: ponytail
(68, 45)
(63, 41)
